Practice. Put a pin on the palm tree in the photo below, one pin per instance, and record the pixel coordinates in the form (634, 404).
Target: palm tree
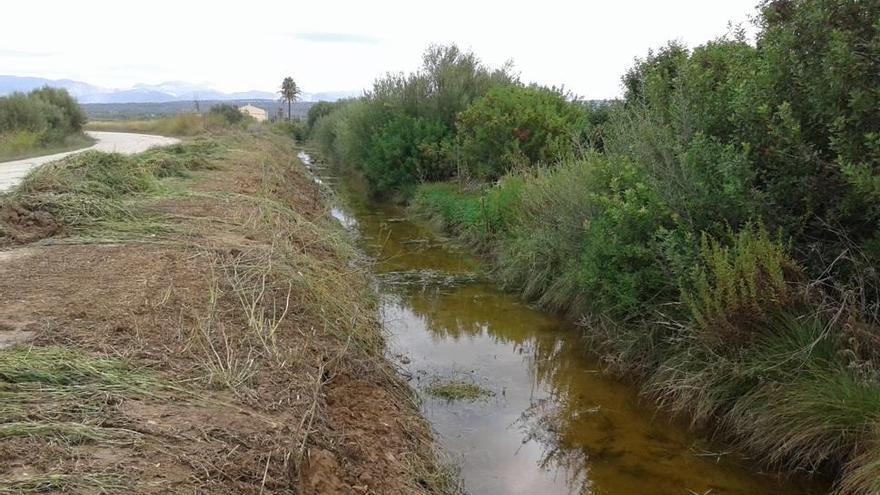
(289, 92)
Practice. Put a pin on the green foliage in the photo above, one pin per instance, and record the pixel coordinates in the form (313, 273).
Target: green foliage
(480, 217)
(517, 126)
(290, 93)
(295, 129)
(407, 120)
(669, 232)
(585, 238)
(405, 151)
(737, 288)
(318, 110)
(43, 118)
(227, 112)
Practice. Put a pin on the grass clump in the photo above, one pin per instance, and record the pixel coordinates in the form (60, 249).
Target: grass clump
(54, 383)
(57, 367)
(457, 390)
(73, 433)
(64, 482)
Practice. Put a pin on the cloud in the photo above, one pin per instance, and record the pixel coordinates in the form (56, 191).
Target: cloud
(321, 37)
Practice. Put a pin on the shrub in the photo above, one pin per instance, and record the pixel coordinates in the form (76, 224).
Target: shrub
(405, 151)
(318, 110)
(41, 118)
(229, 114)
(585, 238)
(517, 126)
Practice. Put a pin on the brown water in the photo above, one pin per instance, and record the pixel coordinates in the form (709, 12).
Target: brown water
(556, 424)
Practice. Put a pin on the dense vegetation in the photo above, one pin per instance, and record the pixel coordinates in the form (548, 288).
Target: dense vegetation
(44, 119)
(717, 230)
(402, 132)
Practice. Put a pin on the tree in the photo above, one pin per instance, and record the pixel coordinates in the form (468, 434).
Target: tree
(290, 93)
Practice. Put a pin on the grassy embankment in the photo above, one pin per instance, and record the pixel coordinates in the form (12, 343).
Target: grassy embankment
(42, 122)
(715, 231)
(191, 320)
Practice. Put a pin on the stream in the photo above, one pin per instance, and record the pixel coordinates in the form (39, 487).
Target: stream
(550, 422)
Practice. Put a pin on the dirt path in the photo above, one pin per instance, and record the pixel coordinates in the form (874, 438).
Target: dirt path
(119, 142)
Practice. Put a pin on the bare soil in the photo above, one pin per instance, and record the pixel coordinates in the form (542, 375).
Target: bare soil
(317, 412)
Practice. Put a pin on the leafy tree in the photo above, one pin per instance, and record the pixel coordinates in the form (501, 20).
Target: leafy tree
(290, 93)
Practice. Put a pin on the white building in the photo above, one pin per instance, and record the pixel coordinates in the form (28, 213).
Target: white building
(257, 113)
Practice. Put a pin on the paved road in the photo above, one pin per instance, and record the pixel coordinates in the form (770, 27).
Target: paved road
(121, 142)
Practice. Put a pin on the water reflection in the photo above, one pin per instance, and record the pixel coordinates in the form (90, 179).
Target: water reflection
(555, 425)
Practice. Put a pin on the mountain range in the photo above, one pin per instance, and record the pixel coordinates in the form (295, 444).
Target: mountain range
(151, 93)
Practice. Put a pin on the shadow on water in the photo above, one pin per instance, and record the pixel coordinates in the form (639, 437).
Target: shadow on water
(555, 424)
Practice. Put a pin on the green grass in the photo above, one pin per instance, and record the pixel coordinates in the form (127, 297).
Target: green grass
(479, 217)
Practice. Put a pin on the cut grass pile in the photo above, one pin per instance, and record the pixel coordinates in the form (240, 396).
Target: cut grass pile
(53, 394)
(457, 390)
(58, 384)
(97, 194)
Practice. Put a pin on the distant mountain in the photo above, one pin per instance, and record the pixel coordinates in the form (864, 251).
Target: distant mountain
(331, 95)
(169, 91)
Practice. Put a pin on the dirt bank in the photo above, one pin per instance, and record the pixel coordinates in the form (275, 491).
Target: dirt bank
(218, 337)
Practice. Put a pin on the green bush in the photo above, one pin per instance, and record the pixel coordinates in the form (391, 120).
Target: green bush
(229, 113)
(514, 126)
(318, 110)
(585, 238)
(42, 118)
(404, 152)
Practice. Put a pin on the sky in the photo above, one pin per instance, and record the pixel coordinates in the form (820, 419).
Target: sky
(328, 45)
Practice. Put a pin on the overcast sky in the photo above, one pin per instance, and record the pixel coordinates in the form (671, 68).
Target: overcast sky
(345, 45)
